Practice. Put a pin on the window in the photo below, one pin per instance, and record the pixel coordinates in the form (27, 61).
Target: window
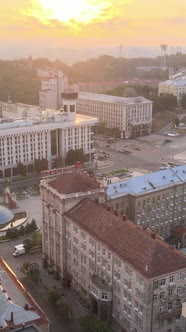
(179, 276)
(104, 296)
(169, 321)
(162, 282)
(171, 279)
(169, 306)
(156, 284)
(162, 295)
(155, 298)
(179, 289)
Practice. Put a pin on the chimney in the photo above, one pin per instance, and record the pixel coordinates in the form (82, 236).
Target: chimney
(12, 316)
(26, 306)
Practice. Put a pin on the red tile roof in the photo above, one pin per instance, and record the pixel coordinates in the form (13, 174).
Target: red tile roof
(147, 253)
(74, 182)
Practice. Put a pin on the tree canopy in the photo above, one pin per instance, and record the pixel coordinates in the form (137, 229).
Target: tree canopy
(75, 155)
(90, 324)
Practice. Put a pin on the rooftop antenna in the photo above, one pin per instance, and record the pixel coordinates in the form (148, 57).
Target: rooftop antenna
(120, 50)
(163, 55)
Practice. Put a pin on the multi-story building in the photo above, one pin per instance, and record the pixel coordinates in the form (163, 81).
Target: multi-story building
(53, 83)
(58, 196)
(155, 200)
(133, 116)
(99, 87)
(19, 110)
(48, 134)
(176, 86)
(128, 276)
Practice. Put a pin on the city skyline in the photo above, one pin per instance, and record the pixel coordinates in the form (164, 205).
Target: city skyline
(93, 24)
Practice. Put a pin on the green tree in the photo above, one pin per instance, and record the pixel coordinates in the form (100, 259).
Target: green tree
(22, 170)
(75, 155)
(33, 225)
(40, 165)
(36, 239)
(53, 296)
(183, 101)
(58, 162)
(90, 324)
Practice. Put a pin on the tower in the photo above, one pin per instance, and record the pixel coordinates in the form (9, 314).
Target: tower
(163, 55)
(69, 97)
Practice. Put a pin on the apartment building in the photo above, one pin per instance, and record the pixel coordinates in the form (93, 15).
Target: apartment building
(133, 116)
(176, 86)
(47, 134)
(53, 83)
(58, 196)
(127, 276)
(156, 200)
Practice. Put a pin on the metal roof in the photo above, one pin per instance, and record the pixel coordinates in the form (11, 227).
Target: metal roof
(5, 215)
(148, 183)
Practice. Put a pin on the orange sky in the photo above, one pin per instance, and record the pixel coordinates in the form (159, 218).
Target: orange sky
(93, 23)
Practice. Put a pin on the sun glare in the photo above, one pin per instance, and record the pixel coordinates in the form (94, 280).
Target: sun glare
(83, 11)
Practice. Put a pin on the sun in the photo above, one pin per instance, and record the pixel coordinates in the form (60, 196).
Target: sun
(66, 11)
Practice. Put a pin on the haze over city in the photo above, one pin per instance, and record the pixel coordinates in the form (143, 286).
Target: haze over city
(77, 30)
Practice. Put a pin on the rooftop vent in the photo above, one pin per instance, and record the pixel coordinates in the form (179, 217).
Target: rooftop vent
(164, 177)
(144, 188)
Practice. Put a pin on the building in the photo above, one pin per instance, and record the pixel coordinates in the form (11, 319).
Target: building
(17, 307)
(48, 134)
(156, 200)
(176, 86)
(132, 115)
(99, 87)
(53, 83)
(58, 196)
(19, 110)
(128, 276)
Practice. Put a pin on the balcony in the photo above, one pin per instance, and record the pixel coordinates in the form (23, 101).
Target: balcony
(100, 283)
(169, 313)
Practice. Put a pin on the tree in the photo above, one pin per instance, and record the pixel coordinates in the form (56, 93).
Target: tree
(58, 162)
(40, 165)
(183, 101)
(53, 296)
(75, 155)
(90, 324)
(33, 225)
(21, 169)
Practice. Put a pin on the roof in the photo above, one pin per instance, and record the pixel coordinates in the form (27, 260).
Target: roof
(148, 254)
(13, 298)
(180, 230)
(74, 182)
(100, 83)
(112, 99)
(148, 182)
(178, 81)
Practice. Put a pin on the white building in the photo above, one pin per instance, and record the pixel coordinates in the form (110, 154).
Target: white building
(48, 134)
(19, 110)
(53, 83)
(133, 116)
(176, 86)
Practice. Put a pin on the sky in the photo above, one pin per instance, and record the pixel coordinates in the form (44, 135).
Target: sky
(83, 24)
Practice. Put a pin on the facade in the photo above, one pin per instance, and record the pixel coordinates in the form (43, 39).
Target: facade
(58, 196)
(155, 200)
(128, 276)
(18, 310)
(53, 83)
(99, 87)
(48, 134)
(133, 116)
(176, 86)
